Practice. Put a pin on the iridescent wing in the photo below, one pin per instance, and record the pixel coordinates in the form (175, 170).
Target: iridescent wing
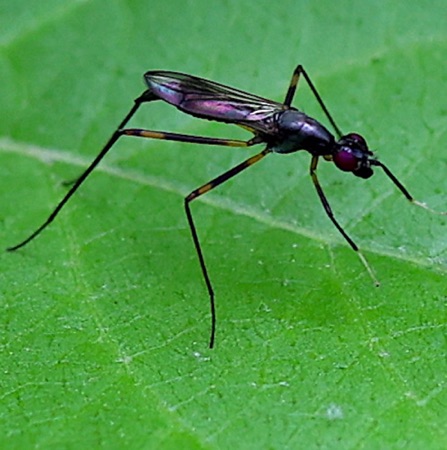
(213, 101)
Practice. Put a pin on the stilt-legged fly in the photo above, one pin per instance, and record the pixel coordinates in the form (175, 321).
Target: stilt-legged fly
(279, 126)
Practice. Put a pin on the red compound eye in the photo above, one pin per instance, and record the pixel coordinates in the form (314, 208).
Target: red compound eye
(346, 161)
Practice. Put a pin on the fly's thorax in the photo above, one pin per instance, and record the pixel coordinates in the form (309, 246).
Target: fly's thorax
(297, 131)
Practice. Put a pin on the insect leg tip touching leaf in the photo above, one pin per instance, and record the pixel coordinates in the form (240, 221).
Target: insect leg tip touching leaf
(425, 206)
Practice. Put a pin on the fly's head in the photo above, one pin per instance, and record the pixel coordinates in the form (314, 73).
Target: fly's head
(351, 154)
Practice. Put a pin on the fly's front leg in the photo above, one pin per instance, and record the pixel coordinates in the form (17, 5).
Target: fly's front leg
(330, 214)
(403, 189)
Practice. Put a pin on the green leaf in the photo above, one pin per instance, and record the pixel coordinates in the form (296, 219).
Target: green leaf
(105, 317)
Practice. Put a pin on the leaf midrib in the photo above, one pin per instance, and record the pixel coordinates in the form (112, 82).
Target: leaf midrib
(54, 155)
